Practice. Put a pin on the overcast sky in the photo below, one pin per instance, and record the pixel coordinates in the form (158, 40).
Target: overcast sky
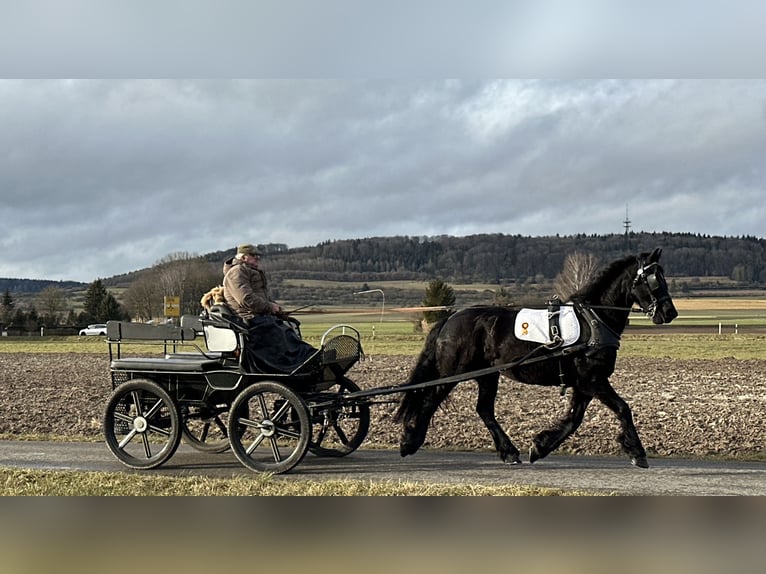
(100, 177)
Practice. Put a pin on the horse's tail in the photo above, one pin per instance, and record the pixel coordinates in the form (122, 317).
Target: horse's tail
(424, 370)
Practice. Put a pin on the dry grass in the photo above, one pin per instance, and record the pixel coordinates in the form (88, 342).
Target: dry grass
(23, 482)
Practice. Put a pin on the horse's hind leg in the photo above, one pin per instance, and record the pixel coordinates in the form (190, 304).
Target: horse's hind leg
(550, 439)
(485, 407)
(628, 438)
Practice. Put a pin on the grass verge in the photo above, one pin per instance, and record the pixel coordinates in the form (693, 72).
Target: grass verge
(23, 482)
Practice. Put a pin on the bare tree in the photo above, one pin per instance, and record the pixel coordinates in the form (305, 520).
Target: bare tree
(177, 275)
(578, 269)
(143, 298)
(52, 302)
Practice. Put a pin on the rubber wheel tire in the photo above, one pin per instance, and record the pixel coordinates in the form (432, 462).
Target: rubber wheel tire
(269, 428)
(141, 424)
(340, 431)
(205, 428)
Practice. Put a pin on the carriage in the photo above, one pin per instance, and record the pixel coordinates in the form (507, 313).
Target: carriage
(200, 385)
(195, 383)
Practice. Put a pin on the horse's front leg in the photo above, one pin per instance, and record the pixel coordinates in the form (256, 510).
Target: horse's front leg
(550, 439)
(485, 407)
(628, 438)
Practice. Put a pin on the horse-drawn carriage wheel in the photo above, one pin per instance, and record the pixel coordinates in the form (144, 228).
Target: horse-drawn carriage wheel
(141, 424)
(204, 427)
(269, 427)
(338, 431)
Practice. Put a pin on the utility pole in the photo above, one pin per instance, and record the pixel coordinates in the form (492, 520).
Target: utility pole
(626, 225)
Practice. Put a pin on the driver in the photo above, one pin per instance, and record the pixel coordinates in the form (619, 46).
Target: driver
(273, 340)
(245, 286)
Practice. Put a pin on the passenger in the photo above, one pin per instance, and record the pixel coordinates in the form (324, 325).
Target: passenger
(274, 342)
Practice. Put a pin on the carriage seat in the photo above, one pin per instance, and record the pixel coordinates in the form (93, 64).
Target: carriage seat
(160, 364)
(223, 315)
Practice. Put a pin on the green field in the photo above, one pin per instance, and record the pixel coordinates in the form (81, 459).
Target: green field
(705, 328)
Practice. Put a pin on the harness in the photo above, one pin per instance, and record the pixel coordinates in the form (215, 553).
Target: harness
(601, 335)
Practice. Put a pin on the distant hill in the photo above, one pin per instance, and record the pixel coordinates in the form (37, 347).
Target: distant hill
(36, 285)
(499, 258)
(487, 258)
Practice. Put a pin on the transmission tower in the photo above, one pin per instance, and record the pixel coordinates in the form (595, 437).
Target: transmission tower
(626, 225)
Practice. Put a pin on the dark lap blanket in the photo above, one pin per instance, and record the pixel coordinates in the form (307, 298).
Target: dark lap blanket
(273, 345)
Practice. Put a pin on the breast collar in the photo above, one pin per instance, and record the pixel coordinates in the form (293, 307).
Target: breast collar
(601, 334)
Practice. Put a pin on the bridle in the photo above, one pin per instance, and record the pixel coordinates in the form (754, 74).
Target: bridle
(651, 276)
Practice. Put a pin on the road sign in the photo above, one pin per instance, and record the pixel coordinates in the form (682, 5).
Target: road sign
(172, 306)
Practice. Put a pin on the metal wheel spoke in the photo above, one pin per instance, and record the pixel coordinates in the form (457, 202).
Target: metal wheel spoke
(341, 435)
(163, 432)
(248, 423)
(153, 411)
(283, 410)
(136, 396)
(283, 431)
(123, 443)
(256, 443)
(219, 424)
(123, 417)
(264, 407)
(275, 449)
(147, 446)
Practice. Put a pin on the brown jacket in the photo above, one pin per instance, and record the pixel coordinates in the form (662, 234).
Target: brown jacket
(245, 289)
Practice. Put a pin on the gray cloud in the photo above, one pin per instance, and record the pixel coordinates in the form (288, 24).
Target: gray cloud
(104, 177)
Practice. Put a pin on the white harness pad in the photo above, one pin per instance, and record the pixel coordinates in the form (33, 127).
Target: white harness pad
(532, 325)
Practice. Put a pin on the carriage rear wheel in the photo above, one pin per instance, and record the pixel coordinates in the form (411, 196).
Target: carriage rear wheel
(141, 424)
(269, 427)
(339, 430)
(204, 427)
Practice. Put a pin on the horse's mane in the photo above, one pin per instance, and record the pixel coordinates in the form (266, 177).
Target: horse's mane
(605, 278)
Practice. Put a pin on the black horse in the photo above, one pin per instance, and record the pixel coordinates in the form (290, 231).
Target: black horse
(479, 338)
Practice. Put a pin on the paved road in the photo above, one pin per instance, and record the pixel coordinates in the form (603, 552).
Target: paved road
(598, 474)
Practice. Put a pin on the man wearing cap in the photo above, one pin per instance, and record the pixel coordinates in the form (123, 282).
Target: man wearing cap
(245, 286)
(273, 342)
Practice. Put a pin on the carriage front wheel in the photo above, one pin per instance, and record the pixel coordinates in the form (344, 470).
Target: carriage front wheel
(141, 424)
(269, 427)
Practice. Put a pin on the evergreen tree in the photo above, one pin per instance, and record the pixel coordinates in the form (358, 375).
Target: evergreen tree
(100, 305)
(94, 302)
(438, 294)
(6, 308)
(110, 310)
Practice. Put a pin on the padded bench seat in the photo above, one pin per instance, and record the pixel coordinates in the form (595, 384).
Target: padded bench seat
(156, 364)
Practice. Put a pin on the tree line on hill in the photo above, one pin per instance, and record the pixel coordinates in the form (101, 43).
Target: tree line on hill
(499, 258)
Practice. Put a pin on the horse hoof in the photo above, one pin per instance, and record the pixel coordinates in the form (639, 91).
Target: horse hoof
(513, 459)
(639, 461)
(406, 449)
(533, 454)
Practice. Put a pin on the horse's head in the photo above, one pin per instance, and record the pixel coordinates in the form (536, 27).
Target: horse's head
(650, 290)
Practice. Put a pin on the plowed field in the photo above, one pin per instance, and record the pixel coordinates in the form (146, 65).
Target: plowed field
(681, 407)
